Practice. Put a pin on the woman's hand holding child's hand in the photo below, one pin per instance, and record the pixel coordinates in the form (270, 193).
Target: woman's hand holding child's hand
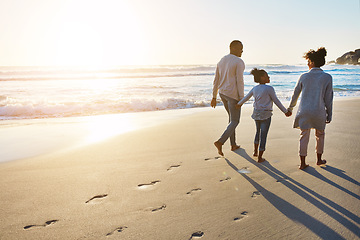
(238, 106)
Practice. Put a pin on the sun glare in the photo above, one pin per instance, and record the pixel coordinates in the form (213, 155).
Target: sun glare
(103, 127)
(98, 34)
(78, 44)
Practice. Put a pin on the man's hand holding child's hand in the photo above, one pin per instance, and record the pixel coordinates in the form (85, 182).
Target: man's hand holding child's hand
(288, 113)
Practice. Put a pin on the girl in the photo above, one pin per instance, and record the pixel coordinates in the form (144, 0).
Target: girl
(264, 96)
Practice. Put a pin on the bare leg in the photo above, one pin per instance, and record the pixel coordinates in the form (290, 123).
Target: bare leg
(319, 160)
(256, 147)
(303, 165)
(218, 145)
(234, 147)
(260, 158)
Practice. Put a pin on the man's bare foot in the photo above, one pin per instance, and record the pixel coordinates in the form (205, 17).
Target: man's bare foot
(321, 162)
(303, 166)
(234, 147)
(218, 145)
(256, 147)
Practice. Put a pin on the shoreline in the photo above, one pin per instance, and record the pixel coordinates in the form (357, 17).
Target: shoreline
(60, 134)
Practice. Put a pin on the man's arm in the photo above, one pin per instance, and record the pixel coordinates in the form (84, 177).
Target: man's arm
(215, 87)
(240, 78)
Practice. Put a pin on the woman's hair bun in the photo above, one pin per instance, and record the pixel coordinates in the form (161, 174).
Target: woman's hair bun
(321, 51)
(318, 57)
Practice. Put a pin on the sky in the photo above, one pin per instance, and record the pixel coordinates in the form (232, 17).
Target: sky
(173, 32)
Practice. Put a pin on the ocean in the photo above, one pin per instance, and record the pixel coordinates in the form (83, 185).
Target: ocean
(53, 92)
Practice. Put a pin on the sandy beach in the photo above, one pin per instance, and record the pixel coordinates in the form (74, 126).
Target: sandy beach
(166, 181)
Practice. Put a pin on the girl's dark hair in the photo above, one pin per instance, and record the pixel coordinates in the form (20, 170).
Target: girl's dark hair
(317, 57)
(257, 73)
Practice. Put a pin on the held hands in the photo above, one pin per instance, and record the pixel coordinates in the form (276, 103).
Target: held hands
(238, 106)
(288, 113)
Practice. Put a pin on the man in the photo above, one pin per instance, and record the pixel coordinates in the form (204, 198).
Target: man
(229, 82)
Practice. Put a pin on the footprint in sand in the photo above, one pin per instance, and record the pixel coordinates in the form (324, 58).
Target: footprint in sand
(174, 166)
(159, 208)
(47, 223)
(255, 194)
(96, 198)
(225, 179)
(242, 215)
(146, 185)
(193, 190)
(214, 158)
(197, 234)
(119, 229)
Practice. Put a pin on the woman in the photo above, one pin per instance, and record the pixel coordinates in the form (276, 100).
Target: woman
(315, 108)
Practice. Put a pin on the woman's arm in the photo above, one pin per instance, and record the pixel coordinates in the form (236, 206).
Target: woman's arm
(329, 94)
(295, 95)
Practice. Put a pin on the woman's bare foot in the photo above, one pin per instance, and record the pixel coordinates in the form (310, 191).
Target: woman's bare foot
(303, 166)
(255, 154)
(321, 162)
(234, 147)
(260, 158)
(218, 145)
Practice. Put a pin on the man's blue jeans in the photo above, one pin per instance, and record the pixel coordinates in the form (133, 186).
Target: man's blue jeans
(262, 129)
(234, 119)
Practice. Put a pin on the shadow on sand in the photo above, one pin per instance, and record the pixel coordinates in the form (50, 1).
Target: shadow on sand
(340, 173)
(296, 214)
(312, 171)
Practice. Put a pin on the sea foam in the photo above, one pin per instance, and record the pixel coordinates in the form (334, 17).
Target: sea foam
(43, 92)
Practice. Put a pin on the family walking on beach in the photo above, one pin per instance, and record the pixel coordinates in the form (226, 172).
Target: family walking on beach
(315, 108)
